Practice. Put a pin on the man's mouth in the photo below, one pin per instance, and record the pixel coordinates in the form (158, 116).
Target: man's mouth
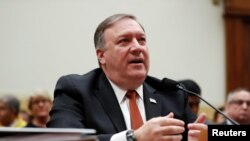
(136, 61)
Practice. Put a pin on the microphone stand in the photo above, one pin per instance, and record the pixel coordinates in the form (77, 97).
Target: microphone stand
(182, 88)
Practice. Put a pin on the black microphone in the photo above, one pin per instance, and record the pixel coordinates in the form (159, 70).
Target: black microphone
(174, 85)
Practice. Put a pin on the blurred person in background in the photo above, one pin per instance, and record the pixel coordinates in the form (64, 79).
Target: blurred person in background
(237, 106)
(39, 105)
(217, 117)
(9, 112)
(193, 101)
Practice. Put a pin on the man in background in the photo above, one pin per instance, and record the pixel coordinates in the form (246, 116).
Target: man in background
(217, 117)
(193, 101)
(237, 106)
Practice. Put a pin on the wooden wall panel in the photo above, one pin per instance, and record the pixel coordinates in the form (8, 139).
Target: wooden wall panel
(237, 26)
(239, 7)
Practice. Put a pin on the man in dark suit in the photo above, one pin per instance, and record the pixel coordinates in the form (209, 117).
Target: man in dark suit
(98, 99)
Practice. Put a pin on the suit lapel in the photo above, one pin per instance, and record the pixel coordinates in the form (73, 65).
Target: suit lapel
(107, 98)
(152, 102)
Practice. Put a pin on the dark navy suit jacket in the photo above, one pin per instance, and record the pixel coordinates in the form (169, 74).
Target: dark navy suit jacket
(88, 101)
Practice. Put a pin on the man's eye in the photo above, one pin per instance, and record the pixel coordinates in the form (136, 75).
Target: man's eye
(142, 40)
(124, 41)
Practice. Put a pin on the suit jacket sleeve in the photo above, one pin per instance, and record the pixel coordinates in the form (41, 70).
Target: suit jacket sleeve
(68, 107)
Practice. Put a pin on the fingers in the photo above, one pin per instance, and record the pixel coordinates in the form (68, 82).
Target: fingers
(170, 120)
(197, 129)
(199, 123)
(172, 138)
(172, 130)
(197, 126)
(197, 135)
(201, 118)
(194, 133)
(161, 128)
(171, 126)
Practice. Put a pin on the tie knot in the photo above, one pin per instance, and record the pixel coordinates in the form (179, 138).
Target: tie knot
(131, 94)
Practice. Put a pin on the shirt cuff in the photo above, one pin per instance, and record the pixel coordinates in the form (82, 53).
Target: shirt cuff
(119, 136)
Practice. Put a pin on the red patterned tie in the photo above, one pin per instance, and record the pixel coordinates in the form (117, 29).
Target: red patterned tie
(136, 119)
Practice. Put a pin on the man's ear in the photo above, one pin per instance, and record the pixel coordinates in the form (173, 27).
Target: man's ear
(100, 56)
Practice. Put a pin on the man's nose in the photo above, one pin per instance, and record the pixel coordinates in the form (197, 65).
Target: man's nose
(136, 47)
(245, 105)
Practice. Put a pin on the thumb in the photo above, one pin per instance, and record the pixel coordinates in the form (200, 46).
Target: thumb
(170, 115)
(201, 118)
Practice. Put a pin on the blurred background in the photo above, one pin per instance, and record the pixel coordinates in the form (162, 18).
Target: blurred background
(204, 40)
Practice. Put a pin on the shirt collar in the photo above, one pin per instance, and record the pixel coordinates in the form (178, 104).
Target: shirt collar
(120, 93)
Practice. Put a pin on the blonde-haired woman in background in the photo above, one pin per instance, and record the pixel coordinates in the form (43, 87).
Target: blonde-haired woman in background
(39, 105)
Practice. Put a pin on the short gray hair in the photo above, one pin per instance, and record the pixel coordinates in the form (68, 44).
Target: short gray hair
(11, 102)
(230, 96)
(98, 36)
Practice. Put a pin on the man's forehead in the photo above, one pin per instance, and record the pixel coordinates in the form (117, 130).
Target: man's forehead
(242, 94)
(125, 33)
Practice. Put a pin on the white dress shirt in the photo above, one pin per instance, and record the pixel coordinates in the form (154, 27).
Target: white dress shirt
(124, 105)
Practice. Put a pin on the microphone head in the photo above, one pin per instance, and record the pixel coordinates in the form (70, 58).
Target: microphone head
(169, 84)
(165, 83)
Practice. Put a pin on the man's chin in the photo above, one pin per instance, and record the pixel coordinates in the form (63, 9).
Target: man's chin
(139, 74)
